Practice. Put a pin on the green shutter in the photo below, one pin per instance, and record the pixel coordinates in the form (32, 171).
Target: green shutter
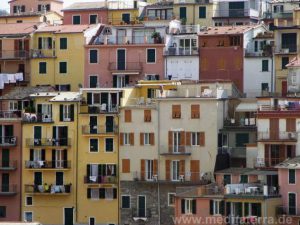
(202, 12)
(61, 113)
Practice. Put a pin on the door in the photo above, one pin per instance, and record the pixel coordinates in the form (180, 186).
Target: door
(5, 182)
(121, 59)
(93, 124)
(182, 12)
(292, 204)
(68, 216)
(5, 158)
(284, 88)
(176, 141)
(126, 18)
(141, 206)
(37, 135)
(59, 178)
(109, 124)
(274, 128)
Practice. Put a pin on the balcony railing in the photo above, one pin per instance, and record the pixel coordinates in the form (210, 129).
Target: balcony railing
(8, 165)
(185, 29)
(57, 164)
(232, 13)
(37, 118)
(125, 66)
(94, 129)
(287, 211)
(173, 51)
(127, 40)
(31, 142)
(275, 135)
(9, 189)
(251, 190)
(189, 177)
(286, 49)
(176, 150)
(100, 179)
(42, 53)
(14, 54)
(94, 109)
(141, 213)
(48, 189)
(279, 15)
(10, 114)
(243, 122)
(8, 141)
(267, 162)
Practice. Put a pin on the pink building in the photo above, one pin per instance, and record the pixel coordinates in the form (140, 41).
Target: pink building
(122, 55)
(289, 181)
(35, 6)
(86, 13)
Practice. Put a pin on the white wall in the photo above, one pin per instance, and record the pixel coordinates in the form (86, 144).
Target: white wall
(182, 67)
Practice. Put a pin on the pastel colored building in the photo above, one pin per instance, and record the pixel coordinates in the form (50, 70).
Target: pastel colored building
(57, 55)
(86, 13)
(123, 12)
(49, 154)
(120, 56)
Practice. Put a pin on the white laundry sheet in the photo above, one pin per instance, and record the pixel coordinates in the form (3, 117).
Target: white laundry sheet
(8, 78)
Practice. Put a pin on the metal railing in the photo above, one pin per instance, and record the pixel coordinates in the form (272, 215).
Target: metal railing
(31, 142)
(174, 51)
(14, 54)
(233, 13)
(251, 190)
(288, 211)
(190, 177)
(8, 141)
(267, 162)
(126, 40)
(279, 15)
(185, 29)
(8, 165)
(125, 66)
(243, 122)
(100, 179)
(37, 118)
(8, 189)
(42, 53)
(10, 114)
(176, 150)
(285, 49)
(56, 164)
(48, 189)
(141, 213)
(146, 176)
(96, 129)
(275, 135)
(94, 109)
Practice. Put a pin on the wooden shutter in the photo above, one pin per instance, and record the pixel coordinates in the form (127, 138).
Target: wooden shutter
(142, 169)
(188, 138)
(168, 169)
(152, 142)
(195, 168)
(274, 128)
(267, 154)
(72, 112)
(170, 141)
(121, 139)
(176, 111)
(147, 115)
(182, 206)
(31, 155)
(125, 165)
(141, 138)
(194, 206)
(282, 154)
(182, 167)
(202, 138)
(290, 124)
(131, 138)
(195, 111)
(155, 166)
(211, 207)
(127, 116)
(61, 113)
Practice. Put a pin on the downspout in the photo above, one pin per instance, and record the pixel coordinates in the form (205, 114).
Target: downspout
(76, 159)
(158, 161)
(119, 180)
(273, 79)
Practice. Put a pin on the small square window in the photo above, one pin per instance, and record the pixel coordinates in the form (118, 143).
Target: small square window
(93, 145)
(29, 201)
(2, 211)
(171, 199)
(93, 19)
(125, 202)
(62, 67)
(109, 144)
(76, 20)
(151, 55)
(63, 43)
(42, 67)
(28, 217)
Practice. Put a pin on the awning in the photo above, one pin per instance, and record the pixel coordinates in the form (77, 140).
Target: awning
(246, 107)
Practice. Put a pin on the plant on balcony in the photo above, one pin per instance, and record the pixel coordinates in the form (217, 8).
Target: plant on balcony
(157, 38)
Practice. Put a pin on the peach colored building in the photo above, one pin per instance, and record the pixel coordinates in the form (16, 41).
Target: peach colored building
(122, 55)
(86, 13)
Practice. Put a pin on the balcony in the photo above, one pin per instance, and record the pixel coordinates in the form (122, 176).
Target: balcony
(176, 150)
(57, 164)
(235, 13)
(250, 191)
(8, 165)
(287, 211)
(286, 49)
(37, 118)
(126, 67)
(274, 136)
(242, 123)
(173, 51)
(192, 1)
(267, 162)
(13, 54)
(94, 129)
(48, 142)
(278, 15)
(8, 190)
(42, 53)
(48, 189)
(188, 177)
(141, 214)
(127, 40)
(10, 114)
(184, 29)
(261, 53)
(8, 141)
(100, 179)
(100, 109)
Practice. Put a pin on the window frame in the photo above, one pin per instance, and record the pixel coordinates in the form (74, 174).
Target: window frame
(27, 196)
(60, 43)
(4, 210)
(25, 212)
(169, 195)
(200, 16)
(145, 138)
(59, 67)
(147, 53)
(263, 69)
(76, 15)
(96, 18)
(42, 72)
(97, 56)
(195, 135)
(91, 145)
(289, 180)
(126, 139)
(112, 145)
(129, 196)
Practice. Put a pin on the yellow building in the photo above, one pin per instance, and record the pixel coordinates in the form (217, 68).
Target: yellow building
(123, 16)
(98, 157)
(49, 17)
(194, 12)
(49, 158)
(58, 56)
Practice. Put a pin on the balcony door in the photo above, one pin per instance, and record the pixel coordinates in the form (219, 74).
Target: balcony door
(93, 124)
(109, 124)
(176, 141)
(175, 170)
(141, 206)
(5, 158)
(121, 59)
(60, 135)
(5, 182)
(6, 133)
(149, 169)
(292, 204)
(37, 134)
(121, 34)
(274, 128)
(59, 159)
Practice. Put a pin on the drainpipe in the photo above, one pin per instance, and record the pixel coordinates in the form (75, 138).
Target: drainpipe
(273, 82)
(158, 162)
(76, 159)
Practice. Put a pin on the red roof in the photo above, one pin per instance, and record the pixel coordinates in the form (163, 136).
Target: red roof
(64, 28)
(18, 29)
(295, 62)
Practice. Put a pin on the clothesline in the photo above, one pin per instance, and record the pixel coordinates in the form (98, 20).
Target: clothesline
(9, 78)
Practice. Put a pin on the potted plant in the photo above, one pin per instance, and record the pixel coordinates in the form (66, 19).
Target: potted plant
(157, 38)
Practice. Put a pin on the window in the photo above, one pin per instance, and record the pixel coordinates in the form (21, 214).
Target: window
(188, 206)
(151, 55)
(126, 138)
(227, 179)
(93, 56)
(241, 139)
(42, 67)
(284, 62)
(94, 145)
(93, 19)
(127, 116)
(13, 105)
(176, 111)
(125, 202)
(2, 211)
(147, 115)
(28, 201)
(265, 65)
(292, 176)
(292, 204)
(66, 113)
(195, 111)
(216, 207)
(195, 138)
(244, 179)
(59, 180)
(109, 144)
(95, 193)
(62, 67)
(63, 87)
(76, 20)
(28, 217)
(146, 138)
(44, 43)
(235, 41)
(171, 199)
(264, 86)
(63, 43)
(93, 81)
(92, 221)
(202, 12)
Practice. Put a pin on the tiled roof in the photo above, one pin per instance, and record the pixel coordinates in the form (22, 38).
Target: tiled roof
(226, 30)
(293, 163)
(24, 92)
(17, 29)
(295, 62)
(64, 28)
(86, 6)
(59, 96)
